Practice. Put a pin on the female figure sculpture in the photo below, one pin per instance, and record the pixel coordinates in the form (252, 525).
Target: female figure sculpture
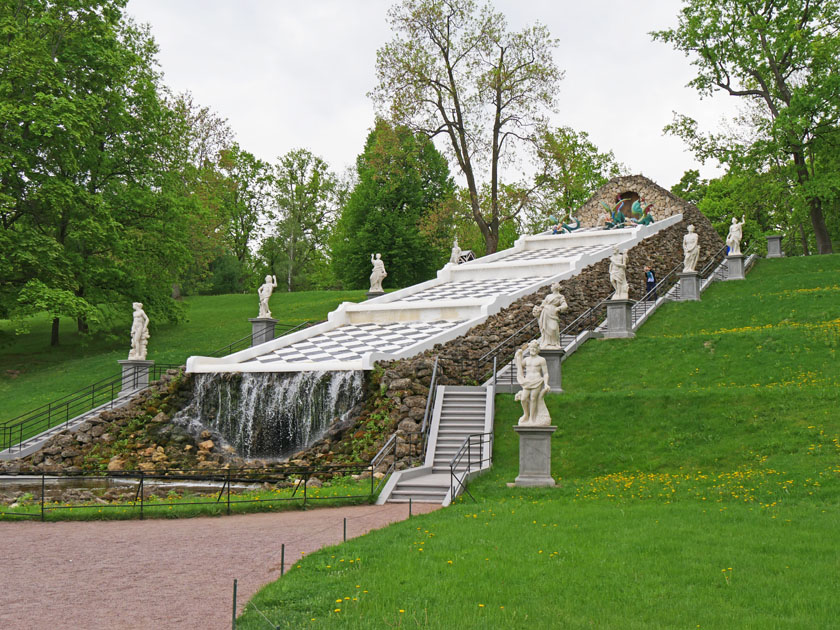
(733, 239)
(455, 256)
(378, 274)
(618, 274)
(549, 317)
(139, 333)
(691, 249)
(532, 376)
(264, 293)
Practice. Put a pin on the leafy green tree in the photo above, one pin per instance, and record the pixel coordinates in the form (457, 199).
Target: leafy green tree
(691, 187)
(571, 168)
(245, 199)
(92, 213)
(783, 57)
(401, 177)
(456, 71)
(306, 195)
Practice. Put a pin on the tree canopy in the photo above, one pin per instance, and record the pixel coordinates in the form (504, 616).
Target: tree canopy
(401, 178)
(455, 70)
(96, 177)
(783, 58)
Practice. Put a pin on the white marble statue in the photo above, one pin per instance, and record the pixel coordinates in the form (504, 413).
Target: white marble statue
(618, 274)
(532, 376)
(455, 257)
(264, 293)
(378, 274)
(733, 239)
(691, 249)
(549, 317)
(139, 333)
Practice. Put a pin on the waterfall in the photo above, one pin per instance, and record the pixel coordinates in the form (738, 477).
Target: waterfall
(270, 414)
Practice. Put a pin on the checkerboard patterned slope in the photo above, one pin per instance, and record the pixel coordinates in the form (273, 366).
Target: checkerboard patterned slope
(548, 254)
(350, 342)
(473, 289)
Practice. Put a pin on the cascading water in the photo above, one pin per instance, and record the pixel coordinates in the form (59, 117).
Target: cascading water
(271, 414)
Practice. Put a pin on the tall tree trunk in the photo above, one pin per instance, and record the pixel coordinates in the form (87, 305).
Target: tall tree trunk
(815, 207)
(820, 230)
(804, 238)
(54, 333)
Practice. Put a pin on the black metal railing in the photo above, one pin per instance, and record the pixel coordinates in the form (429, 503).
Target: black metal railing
(431, 398)
(491, 363)
(220, 487)
(714, 266)
(478, 451)
(663, 287)
(247, 341)
(104, 394)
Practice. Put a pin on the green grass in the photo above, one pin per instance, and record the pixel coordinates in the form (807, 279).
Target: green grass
(32, 373)
(698, 472)
(180, 504)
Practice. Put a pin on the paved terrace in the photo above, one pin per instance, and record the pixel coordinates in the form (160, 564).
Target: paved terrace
(406, 322)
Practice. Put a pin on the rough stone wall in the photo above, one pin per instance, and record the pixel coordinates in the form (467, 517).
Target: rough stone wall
(665, 204)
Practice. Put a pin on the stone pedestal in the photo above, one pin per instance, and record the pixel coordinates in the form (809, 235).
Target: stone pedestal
(553, 359)
(736, 267)
(774, 246)
(534, 456)
(619, 319)
(135, 374)
(373, 294)
(689, 286)
(262, 329)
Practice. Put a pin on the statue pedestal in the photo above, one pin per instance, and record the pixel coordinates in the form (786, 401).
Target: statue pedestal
(689, 286)
(534, 456)
(374, 294)
(135, 374)
(553, 359)
(736, 267)
(619, 319)
(262, 329)
(774, 246)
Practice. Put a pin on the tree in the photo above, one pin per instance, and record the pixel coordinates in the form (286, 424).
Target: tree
(784, 58)
(305, 193)
(691, 187)
(570, 169)
(401, 177)
(456, 71)
(245, 199)
(92, 210)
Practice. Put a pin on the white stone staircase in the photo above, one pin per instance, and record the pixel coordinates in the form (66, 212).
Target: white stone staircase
(459, 412)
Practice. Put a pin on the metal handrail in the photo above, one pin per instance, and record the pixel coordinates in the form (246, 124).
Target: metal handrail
(466, 449)
(713, 263)
(430, 399)
(105, 392)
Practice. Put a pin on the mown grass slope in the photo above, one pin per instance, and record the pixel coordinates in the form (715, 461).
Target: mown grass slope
(32, 373)
(698, 472)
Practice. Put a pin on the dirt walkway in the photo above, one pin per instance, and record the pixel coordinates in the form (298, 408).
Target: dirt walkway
(160, 574)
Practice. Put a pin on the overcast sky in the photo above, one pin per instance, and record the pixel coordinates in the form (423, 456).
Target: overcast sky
(290, 74)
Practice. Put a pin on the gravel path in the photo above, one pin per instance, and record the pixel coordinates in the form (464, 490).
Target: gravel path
(160, 573)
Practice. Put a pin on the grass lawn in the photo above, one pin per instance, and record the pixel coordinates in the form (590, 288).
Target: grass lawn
(163, 503)
(698, 471)
(32, 373)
